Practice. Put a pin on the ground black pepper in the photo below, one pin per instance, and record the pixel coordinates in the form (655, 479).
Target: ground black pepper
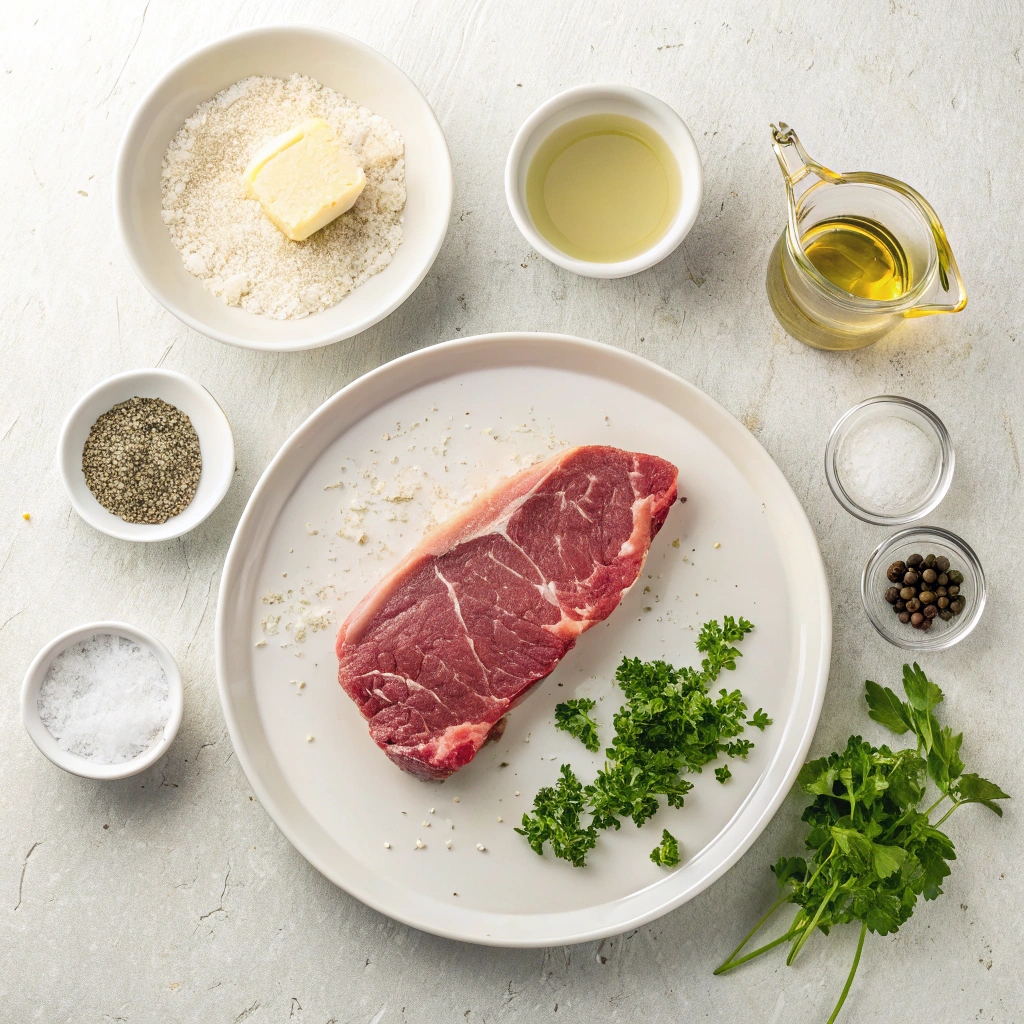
(142, 460)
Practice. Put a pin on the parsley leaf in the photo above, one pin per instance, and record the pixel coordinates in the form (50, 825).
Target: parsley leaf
(973, 789)
(885, 707)
(759, 720)
(872, 853)
(573, 718)
(723, 774)
(666, 853)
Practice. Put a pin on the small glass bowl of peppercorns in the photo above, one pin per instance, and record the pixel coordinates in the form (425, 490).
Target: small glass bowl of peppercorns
(923, 589)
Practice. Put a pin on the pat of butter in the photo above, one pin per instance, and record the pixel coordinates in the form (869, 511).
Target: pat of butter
(305, 178)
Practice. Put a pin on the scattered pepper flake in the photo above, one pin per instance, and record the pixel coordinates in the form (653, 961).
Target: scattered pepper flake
(26, 516)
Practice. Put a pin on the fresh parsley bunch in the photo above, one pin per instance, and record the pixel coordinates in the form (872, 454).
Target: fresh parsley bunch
(873, 853)
(670, 726)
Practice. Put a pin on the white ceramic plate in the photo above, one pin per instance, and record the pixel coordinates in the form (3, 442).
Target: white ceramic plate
(380, 461)
(340, 62)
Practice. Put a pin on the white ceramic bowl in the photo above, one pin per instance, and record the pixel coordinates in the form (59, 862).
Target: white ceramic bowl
(605, 99)
(74, 763)
(334, 60)
(216, 444)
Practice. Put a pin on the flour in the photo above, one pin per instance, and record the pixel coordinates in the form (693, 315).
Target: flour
(227, 241)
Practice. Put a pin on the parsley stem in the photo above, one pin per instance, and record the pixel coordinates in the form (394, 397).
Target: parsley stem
(809, 929)
(730, 964)
(928, 813)
(947, 814)
(849, 978)
(814, 877)
(727, 965)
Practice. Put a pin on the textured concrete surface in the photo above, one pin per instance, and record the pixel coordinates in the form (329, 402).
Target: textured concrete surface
(173, 896)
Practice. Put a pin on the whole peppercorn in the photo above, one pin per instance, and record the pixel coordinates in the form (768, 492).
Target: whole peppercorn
(929, 575)
(941, 592)
(929, 560)
(911, 577)
(926, 625)
(930, 611)
(896, 571)
(926, 597)
(913, 605)
(942, 563)
(956, 607)
(904, 617)
(892, 595)
(945, 615)
(943, 580)
(907, 593)
(916, 619)
(955, 576)
(943, 602)
(914, 560)
(900, 605)
(952, 590)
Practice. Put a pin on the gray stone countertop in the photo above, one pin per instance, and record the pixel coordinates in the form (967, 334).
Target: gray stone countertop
(173, 896)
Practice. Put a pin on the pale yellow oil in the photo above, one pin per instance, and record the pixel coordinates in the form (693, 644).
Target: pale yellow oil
(603, 188)
(860, 256)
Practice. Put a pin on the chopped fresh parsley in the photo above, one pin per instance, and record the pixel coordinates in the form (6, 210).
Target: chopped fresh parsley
(666, 853)
(669, 727)
(573, 718)
(723, 774)
(873, 853)
(556, 820)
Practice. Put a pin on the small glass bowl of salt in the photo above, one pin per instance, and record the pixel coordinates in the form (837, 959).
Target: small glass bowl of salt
(889, 461)
(103, 701)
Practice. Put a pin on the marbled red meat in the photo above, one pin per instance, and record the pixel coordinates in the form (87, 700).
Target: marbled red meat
(490, 601)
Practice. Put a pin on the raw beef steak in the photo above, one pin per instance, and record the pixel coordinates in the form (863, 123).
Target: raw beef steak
(490, 601)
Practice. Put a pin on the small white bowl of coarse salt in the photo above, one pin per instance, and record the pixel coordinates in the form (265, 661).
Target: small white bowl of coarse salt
(103, 701)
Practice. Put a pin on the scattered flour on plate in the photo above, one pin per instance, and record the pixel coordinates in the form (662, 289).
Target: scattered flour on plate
(227, 241)
(105, 699)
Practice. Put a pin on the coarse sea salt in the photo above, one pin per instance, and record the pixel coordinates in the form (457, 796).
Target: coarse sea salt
(106, 699)
(888, 464)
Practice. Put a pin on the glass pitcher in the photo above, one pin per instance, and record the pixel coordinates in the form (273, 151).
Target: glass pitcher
(861, 253)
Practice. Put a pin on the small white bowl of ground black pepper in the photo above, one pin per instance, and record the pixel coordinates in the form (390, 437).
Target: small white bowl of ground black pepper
(146, 455)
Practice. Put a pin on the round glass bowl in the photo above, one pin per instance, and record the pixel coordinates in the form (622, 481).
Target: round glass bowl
(923, 541)
(851, 442)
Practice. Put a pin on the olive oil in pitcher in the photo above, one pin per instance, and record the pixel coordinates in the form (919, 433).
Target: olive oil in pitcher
(861, 252)
(860, 256)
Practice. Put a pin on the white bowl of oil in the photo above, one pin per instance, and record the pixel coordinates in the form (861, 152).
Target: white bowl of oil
(604, 180)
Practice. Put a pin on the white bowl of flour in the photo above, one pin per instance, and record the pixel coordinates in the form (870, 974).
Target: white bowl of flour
(208, 253)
